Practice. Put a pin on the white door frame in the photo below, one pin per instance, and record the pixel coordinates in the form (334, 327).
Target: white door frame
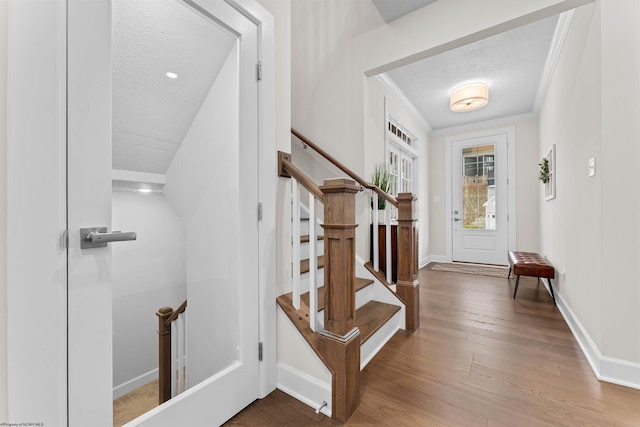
(36, 363)
(510, 132)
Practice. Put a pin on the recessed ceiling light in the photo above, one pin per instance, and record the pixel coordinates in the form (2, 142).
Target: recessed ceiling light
(145, 190)
(172, 75)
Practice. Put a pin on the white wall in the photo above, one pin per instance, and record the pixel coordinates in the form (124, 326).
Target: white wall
(571, 226)
(4, 22)
(620, 203)
(147, 274)
(591, 230)
(527, 188)
(203, 185)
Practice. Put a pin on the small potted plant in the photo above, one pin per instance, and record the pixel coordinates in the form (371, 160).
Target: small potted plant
(544, 171)
(382, 178)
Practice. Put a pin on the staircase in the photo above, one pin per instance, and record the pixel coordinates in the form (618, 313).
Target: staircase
(343, 308)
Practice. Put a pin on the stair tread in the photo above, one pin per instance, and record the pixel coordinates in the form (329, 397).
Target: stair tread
(360, 284)
(305, 238)
(369, 318)
(372, 316)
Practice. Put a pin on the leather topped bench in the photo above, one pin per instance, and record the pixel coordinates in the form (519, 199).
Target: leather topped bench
(531, 264)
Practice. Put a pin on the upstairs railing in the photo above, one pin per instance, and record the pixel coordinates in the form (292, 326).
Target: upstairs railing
(172, 352)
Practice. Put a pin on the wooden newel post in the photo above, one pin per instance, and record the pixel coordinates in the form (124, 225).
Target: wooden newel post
(340, 340)
(408, 287)
(164, 354)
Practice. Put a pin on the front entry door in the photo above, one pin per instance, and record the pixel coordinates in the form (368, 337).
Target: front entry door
(480, 231)
(194, 153)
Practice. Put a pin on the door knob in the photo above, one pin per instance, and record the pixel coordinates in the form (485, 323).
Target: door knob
(97, 237)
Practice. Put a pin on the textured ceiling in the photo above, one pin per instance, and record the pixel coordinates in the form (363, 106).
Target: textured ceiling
(511, 63)
(152, 113)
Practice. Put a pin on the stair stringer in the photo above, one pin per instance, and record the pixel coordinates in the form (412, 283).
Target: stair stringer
(380, 292)
(301, 373)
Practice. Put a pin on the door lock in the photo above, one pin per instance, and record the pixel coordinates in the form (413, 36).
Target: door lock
(97, 237)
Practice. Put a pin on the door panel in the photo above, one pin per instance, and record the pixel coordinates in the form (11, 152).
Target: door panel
(479, 200)
(208, 187)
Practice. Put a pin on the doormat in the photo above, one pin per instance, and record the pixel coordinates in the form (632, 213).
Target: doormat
(478, 270)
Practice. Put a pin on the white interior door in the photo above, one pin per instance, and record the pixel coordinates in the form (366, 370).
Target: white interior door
(480, 232)
(202, 175)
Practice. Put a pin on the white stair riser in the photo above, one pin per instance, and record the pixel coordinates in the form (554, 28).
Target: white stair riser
(375, 343)
(304, 280)
(304, 249)
(304, 227)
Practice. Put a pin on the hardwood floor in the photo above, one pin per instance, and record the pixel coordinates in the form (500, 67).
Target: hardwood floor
(480, 358)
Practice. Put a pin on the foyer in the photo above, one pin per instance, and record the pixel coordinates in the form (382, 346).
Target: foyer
(479, 358)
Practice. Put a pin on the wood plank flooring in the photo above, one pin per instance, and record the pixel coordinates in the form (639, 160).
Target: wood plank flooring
(480, 358)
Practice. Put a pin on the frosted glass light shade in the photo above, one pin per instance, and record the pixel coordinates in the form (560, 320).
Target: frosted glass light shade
(469, 97)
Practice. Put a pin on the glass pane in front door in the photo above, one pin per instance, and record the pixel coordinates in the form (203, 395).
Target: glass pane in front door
(478, 188)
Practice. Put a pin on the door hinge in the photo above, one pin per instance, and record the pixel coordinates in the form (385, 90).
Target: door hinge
(259, 71)
(259, 211)
(259, 352)
(65, 239)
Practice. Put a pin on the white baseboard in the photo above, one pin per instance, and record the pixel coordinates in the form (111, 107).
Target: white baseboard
(305, 388)
(438, 258)
(424, 261)
(139, 381)
(609, 369)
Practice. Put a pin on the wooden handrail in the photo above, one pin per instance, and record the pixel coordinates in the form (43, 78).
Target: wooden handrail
(343, 168)
(177, 312)
(288, 170)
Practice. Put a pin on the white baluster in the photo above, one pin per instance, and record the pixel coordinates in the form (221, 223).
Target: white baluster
(295, 236)
(184, 355)
(313, 260)
(180, 352)
(174, 351)
(376, 240)
(387, 221)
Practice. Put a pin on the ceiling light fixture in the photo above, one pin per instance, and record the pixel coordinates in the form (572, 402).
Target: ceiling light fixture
(469, 97)
(145, 190)
(172, 75)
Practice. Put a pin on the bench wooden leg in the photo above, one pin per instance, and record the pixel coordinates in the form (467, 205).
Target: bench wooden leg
(516, 290)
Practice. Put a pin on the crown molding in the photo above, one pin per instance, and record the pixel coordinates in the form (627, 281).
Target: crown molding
(559, 36)
(393, 88)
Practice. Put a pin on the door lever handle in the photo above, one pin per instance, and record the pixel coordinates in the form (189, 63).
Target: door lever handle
(97, 237)
(457, 219)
